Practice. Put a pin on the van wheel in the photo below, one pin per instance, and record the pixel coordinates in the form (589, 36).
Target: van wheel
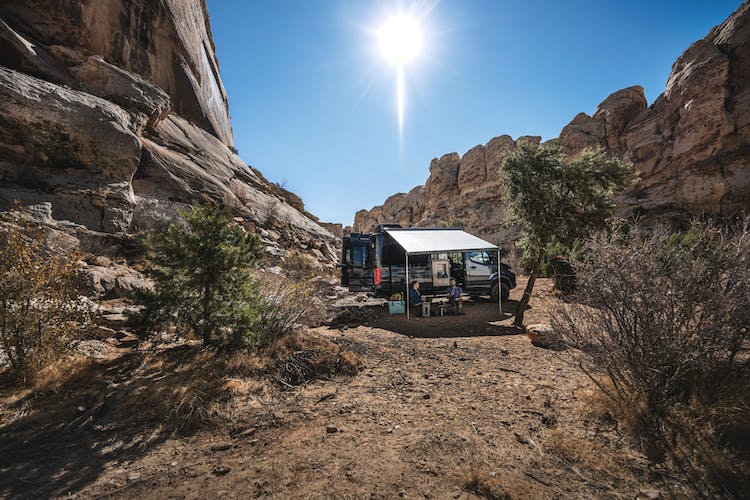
(505, 292)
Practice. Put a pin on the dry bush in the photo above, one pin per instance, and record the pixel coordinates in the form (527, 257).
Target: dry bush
(173, 390)
(587, 453)
(301, 358)
(41, 311)
(665, 317)
(285, 306)
(298, 266)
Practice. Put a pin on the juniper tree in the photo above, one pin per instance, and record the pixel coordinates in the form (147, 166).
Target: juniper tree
(203, 278)
(557, 200)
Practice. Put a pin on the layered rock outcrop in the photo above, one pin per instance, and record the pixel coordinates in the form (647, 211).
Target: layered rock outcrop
(113, 117)
(691, 147)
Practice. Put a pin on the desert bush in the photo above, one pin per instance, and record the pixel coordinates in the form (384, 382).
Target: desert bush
(454, 223)
(286, 303)
(40, 308)
(298, 266)
(665, 317)
(204, 283)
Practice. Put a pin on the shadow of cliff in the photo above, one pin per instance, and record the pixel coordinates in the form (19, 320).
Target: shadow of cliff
(104, 411)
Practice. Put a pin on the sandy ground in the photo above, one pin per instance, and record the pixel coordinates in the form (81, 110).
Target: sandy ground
(453, 407)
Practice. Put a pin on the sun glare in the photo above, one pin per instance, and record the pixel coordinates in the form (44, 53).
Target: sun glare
(400, 39)
(400, 42)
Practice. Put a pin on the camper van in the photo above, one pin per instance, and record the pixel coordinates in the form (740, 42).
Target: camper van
(376, 262)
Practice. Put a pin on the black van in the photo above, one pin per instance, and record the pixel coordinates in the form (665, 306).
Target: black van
(374, 262)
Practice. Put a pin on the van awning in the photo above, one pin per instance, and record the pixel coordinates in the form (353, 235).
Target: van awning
(424, 241)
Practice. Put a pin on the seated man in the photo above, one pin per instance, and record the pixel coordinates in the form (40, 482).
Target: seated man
(415, 298)
(454, 295)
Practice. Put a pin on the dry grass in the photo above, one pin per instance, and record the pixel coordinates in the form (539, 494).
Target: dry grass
(487, 485)
(177, 390)
(704, 441)
(587, 454)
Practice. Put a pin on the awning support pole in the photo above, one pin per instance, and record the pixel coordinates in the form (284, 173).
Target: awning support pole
(407, 285)
(499, 285)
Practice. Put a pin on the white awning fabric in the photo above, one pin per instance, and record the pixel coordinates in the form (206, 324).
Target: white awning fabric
(422, 241)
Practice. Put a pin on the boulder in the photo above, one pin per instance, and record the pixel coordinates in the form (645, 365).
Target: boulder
(55, 128)
(121, 87)
(617, 111)
(110, 281)
(69, 148)
(584, 131)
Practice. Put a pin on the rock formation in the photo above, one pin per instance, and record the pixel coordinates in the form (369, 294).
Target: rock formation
(691, 147)
(113, 116)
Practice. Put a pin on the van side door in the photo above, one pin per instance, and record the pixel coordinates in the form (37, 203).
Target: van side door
(478, 267)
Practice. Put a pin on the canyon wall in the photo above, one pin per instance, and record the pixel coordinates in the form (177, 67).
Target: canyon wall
(113, 117)
(691, 148)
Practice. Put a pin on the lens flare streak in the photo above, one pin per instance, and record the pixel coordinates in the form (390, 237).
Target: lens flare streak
(400, 43)
(400, 97)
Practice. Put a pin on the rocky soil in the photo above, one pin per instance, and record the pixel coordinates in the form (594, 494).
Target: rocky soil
(452, 407)
(691, 147)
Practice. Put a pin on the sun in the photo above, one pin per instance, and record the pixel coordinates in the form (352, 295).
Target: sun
(400, 39)
(400, 42)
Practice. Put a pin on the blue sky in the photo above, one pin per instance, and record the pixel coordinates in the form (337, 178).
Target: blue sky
(313, 101)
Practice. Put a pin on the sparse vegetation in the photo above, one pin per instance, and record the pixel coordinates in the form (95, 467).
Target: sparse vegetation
(40, 308)
(207, 284)
(298, 266)
(285, 304)
(454, 222)
(557, 200)
(665, 317)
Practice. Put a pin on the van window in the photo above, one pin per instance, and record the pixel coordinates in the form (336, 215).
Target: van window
(359, 255)
(479, 257)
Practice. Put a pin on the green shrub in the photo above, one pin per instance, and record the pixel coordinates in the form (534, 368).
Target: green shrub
(204, 283)
(454, 223)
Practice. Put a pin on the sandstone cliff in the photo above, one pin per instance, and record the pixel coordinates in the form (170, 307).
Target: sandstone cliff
(113, 116)
(691, 147)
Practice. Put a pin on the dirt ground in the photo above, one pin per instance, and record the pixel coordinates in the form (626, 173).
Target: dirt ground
(452, 407)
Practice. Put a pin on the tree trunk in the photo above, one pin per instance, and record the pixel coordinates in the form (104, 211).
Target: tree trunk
(529, 288)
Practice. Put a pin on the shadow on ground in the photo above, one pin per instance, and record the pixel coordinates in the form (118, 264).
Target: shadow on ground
(102, 411)
(479, 318)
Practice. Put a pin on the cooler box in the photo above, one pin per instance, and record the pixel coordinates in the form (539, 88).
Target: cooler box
(396, 307)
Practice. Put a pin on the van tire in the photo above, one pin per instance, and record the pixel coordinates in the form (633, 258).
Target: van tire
(505, 292)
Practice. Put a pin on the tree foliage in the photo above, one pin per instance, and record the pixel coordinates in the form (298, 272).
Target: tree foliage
(203, 279)
(41, 311)
(557, 200)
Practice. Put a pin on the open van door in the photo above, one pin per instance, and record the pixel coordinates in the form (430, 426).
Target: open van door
(479, 267)
(356, 263)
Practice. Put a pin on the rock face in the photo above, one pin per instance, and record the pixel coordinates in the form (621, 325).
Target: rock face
(691, 147)
(113, 117)
(167, 43)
